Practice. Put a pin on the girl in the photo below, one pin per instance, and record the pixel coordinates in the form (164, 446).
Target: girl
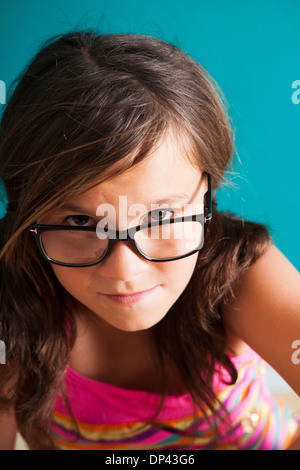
(128, 302)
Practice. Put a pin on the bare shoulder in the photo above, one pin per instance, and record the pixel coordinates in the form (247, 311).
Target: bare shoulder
(273, 265)
(265, 311)
(273, 278)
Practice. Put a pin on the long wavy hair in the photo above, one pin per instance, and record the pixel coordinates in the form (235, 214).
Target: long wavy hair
(89, 107)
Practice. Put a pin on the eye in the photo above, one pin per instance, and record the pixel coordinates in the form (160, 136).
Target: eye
(159, 215)
(80, 221)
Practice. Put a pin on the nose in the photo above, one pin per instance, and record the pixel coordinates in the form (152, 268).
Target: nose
(122, 263)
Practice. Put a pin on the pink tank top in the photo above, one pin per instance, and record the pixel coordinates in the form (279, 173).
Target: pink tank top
(108, 417)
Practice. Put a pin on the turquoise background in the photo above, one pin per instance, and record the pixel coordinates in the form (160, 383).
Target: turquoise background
(250, 47)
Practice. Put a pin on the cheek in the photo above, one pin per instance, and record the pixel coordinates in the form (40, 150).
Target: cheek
(177, 274)
(74, 280)
(174, 276)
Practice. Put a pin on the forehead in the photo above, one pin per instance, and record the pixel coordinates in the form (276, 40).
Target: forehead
(166, 171)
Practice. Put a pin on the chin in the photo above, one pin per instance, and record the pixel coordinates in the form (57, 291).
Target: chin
(135, 326)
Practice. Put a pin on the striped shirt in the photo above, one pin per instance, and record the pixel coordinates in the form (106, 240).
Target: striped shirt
(112, 418)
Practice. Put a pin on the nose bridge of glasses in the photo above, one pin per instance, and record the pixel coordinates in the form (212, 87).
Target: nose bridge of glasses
(111, 234)
(114, 236)
(126, 236)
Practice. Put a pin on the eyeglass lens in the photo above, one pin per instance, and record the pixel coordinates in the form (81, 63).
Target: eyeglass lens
(157, 242)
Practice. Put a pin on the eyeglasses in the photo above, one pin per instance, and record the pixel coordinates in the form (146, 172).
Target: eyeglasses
(158, 241)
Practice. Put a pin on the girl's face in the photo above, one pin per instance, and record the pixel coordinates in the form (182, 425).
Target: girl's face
(165, 176)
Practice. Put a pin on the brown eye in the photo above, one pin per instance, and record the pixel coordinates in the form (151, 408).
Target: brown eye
(160, 215)
(80, 221)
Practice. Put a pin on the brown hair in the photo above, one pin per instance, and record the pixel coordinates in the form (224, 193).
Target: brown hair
(88, 107)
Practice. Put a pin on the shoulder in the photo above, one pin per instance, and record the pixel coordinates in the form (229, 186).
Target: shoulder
(274, 264)
(272, 281)
(264, 311)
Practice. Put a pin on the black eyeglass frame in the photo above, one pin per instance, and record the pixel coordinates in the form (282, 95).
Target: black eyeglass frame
(115, 236)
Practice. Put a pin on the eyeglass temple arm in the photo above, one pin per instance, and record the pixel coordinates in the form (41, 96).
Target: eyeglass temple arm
(208, 201)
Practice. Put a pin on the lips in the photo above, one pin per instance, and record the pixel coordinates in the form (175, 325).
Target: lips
(126, 299)
(125, 294)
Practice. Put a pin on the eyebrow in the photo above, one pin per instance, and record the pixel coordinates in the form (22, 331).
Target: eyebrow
(170, 199)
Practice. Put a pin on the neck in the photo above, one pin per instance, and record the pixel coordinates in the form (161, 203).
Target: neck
(105, 353)
(112, 339)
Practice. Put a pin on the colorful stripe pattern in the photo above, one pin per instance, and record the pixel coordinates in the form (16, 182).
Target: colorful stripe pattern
(111, 418)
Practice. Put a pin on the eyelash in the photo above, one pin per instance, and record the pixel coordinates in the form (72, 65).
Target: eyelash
(149, 215)
(159, 211)
(78, 215)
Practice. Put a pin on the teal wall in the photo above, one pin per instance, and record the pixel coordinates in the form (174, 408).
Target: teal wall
(250, 47)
